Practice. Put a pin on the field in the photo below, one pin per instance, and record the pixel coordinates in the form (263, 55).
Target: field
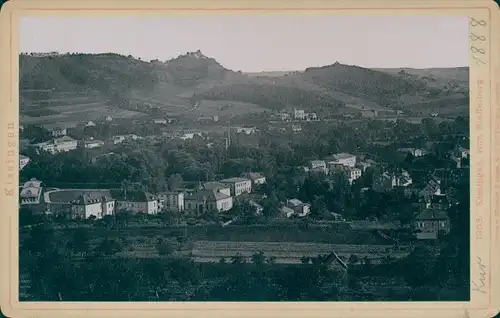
(71, 115)
(225, 108)
(288, 252)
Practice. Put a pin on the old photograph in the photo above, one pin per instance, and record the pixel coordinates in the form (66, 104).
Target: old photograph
(244, 158)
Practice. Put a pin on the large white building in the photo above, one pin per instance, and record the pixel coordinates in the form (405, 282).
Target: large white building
(62, 144)
(31, 193)
(23, 161)
(86, 206)
(217, 186)
(171, 201)
(238, 185)
(136, 202)
(354, 173)
(202, 201)
(299, 114)
(345, 159)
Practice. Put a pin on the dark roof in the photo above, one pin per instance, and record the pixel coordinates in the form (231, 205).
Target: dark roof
(215, 186)
(133, 196)
(234, 180)
(253, 175)
(68, 195)
(333, 257)
(87, 198)
(210, 195)
(431, 214)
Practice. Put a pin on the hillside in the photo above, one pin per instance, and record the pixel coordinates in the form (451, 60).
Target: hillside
(192, 83)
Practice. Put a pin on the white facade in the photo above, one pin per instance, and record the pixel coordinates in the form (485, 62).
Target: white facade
(23, 161)
(62, 144)
(238, 185)
(160, 121)
(354, 173)
(172, 201)
(90, 144)
(299, 114)
(88, 210)
(150, 207)
(318, 164)
(59, 132)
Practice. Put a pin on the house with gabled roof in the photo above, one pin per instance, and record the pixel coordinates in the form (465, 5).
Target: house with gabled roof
(430, 222)
(217, 186)
(136, 202)
(202, 201)
(87, 205)
(255, 177)
(300, 208)
(31, 193)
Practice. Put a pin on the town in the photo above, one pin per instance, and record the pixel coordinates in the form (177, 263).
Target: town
(209, 188)
(245, 161)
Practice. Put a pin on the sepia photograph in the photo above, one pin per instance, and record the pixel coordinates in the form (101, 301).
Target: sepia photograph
(249, 158)
(244, 158)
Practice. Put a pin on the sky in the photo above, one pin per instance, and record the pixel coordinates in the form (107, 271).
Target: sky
(261, 43)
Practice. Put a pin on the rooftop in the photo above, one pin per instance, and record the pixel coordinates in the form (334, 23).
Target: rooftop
(211, 195)
(431, 214)
(69, 195)
(254, 175)
(133, 196)
(87, 199)
(343, 155)
(63, 139)
(234, 180)
(215, 186)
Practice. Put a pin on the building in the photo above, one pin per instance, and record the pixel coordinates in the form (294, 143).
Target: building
(353, 174)
(121, 138)
(23, 161)
(284, 116)
(59, 202)
(363, 165)
(245, 130)
(299, 114)
(160, 121)
(219, 187)
(387, 181)
(296, 128)
(31, 193)
(118, 139)
(58, 132)
(345, 159)
(255, 177)
(463, 152)
(171, 201)
(62, 144)
(87, 205)
(416, 152)
(300, 208)
(92, 143)
(432, 187)
(429, 222)
(286, 212)
(202, 201)
(136, 202)
(259, 209)
(238, 185)
(317, 164)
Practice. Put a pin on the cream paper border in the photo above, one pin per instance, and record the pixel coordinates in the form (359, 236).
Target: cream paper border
(485, 159)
